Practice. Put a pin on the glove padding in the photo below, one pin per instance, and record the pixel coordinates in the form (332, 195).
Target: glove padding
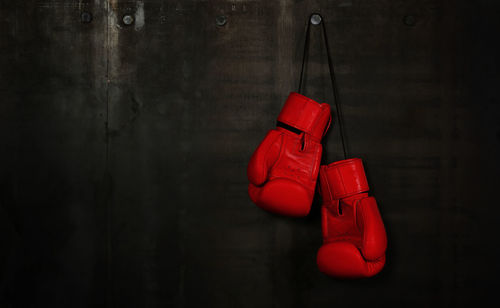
(354, 238)
(284, 168)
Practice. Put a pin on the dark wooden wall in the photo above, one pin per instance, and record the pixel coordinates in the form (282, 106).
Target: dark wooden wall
(124, 148)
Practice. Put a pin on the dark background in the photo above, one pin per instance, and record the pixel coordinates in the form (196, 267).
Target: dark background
(124, 149)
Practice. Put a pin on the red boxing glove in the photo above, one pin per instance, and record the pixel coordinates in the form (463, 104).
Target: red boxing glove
(283, 170)
(354, 239)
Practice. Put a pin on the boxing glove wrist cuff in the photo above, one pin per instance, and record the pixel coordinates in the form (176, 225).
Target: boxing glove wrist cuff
(288, 127)
(342, 179)
(306, 115)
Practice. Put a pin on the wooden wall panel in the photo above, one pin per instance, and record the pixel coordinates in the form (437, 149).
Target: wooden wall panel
(125, 150)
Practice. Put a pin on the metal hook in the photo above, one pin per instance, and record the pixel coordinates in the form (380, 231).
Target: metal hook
(315, 19)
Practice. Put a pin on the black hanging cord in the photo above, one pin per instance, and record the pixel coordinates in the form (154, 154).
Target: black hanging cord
(340, 116)
(305, 55)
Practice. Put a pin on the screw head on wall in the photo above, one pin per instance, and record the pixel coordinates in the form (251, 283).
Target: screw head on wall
(315, 19)
(86, 17)
(221, 20)
(128, 19)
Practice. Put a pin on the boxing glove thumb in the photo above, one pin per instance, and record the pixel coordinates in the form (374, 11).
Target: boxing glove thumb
(263, 158)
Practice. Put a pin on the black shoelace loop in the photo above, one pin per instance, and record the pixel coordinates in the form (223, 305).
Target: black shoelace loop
(305, 56)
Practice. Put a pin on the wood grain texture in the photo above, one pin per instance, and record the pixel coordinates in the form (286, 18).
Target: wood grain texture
(124, 153)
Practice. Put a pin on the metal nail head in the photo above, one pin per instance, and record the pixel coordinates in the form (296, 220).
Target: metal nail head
(86, 17)
(316, 19)
(128, 19)
(221, 20)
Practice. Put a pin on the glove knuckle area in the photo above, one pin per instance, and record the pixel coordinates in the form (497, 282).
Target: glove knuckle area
(344, 260)
(341, 259)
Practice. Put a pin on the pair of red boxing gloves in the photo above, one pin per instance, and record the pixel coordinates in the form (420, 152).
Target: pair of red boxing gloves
(283, 173)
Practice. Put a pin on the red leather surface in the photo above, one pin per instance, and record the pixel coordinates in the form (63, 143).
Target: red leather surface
(306, 114)
(354, 238)
(284, 168)
(345, 178)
